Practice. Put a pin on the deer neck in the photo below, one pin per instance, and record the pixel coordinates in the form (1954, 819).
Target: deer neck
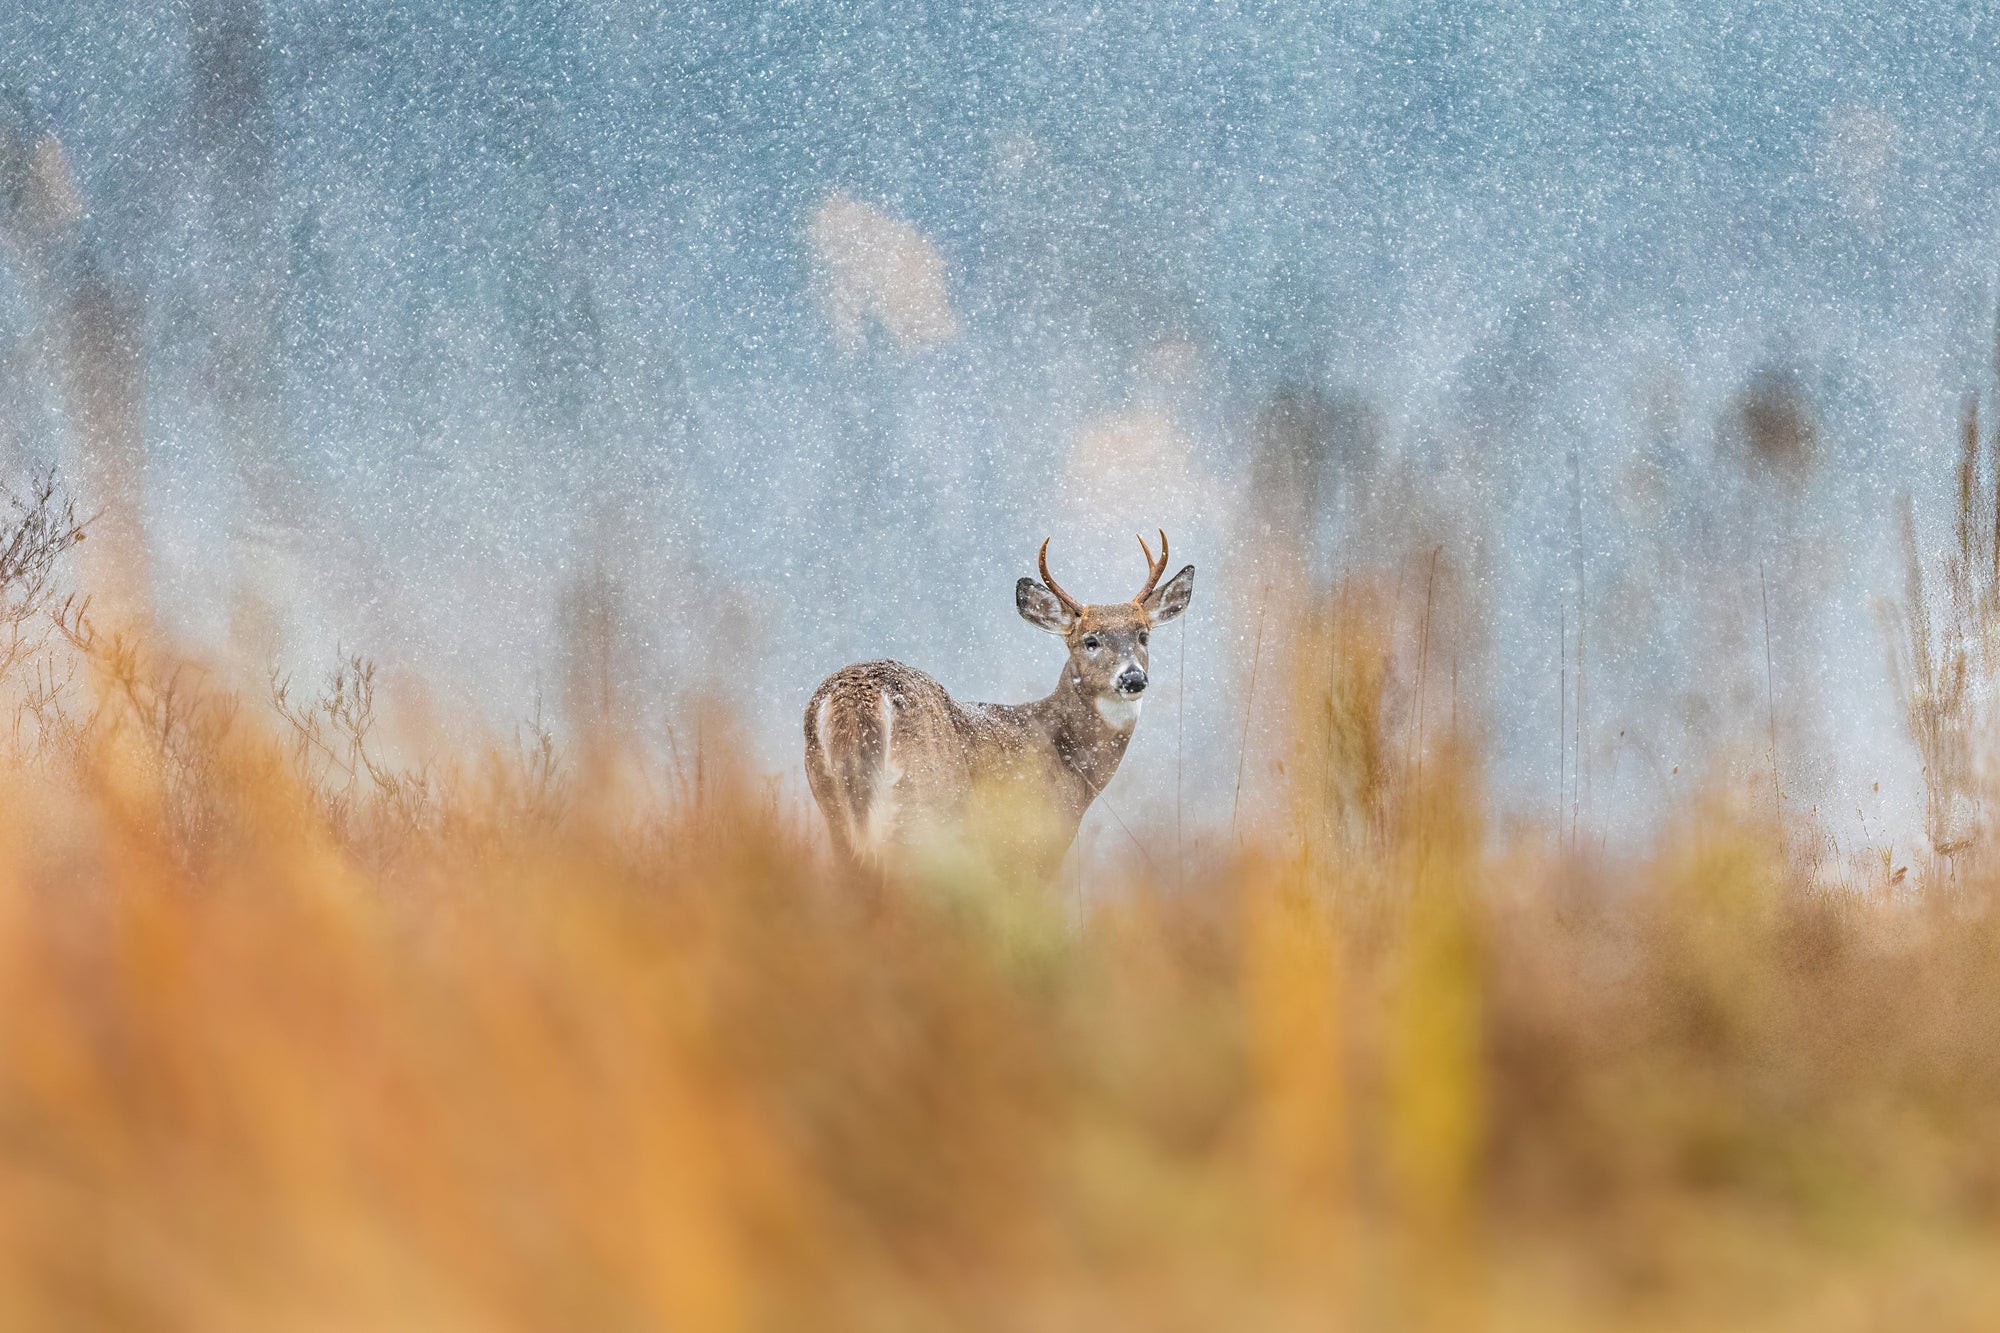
(1089, 739)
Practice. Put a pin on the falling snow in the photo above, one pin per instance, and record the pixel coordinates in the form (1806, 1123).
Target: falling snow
(787, 333)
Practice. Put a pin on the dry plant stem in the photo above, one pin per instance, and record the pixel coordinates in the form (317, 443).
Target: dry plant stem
(42, 530)
(1075, 870)
(1577, 777)
(1580, 767)
(1137, 846)
(1945, 648)
(1249, 711)
(1180, 745)
(1423, 666)
(1610, 795)
(1771, 703)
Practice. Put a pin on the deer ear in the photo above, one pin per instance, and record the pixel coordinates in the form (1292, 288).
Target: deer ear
(1040, 607)
(1171, 597)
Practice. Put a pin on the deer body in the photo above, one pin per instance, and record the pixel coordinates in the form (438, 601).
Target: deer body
(896, 763)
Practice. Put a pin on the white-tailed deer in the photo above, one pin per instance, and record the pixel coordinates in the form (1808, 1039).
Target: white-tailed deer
(895, 762)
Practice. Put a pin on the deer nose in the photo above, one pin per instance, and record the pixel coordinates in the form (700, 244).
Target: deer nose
(1131, 681)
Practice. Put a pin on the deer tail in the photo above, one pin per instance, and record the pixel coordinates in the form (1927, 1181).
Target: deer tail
(847, 746)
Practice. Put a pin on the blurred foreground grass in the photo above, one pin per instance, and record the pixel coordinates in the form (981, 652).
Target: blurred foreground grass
(289, 1040)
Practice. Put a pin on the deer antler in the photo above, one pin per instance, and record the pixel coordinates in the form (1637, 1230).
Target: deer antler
(1070, 603)
(1154, 568)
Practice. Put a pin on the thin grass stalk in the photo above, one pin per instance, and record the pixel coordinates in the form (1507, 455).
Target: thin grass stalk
(1249, 712)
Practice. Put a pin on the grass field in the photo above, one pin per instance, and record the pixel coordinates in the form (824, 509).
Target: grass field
(291, 1039)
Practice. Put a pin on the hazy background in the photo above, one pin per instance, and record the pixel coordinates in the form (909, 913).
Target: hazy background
(769, 339)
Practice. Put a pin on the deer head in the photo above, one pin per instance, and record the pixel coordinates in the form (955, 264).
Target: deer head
(1107, 643)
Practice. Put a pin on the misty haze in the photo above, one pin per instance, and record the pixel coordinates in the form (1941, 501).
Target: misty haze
(448, 442)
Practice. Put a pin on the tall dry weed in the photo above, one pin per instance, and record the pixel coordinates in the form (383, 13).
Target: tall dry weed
(1944, 638)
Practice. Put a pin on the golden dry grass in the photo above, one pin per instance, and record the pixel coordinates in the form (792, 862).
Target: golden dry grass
(290, 1040)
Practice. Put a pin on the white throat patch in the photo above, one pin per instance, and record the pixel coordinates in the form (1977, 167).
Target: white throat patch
(1119, 714)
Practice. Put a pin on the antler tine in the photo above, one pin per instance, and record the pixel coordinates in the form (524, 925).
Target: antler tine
(1154, 568)
(1070, 603)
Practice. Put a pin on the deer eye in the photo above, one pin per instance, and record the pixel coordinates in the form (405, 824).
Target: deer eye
(1090, 641)
(1142, 638)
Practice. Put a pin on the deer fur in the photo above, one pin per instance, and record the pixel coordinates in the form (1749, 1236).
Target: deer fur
(896, 763)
